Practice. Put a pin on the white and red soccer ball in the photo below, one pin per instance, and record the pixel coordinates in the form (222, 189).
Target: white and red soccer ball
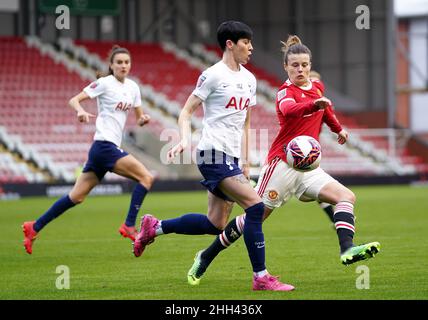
(303, 153)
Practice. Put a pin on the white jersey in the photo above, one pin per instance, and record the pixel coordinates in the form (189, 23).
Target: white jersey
(226, 96)
(114, 99)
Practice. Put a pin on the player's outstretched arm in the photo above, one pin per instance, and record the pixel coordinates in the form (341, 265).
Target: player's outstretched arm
(322, 102)
(185, 127)
(342, 136)
(142, 118)
(74, 102)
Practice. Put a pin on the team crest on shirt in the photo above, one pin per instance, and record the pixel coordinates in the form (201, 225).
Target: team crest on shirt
(94, 85)
(272, 194)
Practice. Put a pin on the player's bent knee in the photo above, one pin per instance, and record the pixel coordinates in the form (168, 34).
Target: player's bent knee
(77, 199)
(147, 181)
(222, 225)
(217, 222)
(250, 202)
(348, 196)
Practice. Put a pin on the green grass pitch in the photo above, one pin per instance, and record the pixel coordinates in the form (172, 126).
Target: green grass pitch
(301, 247)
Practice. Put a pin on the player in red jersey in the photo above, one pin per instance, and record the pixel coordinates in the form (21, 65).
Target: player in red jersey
(301, 109)
(326, 207)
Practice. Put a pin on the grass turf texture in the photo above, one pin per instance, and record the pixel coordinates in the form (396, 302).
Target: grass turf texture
(301, 247)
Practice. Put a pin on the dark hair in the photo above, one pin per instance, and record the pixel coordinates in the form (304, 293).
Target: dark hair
(233, 30)
(294, 45)
(113, 52)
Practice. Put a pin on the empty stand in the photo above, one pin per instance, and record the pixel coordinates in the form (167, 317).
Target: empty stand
(35, 90)
(154, 66)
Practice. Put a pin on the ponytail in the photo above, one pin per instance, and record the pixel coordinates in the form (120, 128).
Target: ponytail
(114, 50)
(294, 45)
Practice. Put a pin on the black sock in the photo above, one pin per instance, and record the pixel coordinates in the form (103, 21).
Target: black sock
(230, 234)
(344, 223)
(328, 209)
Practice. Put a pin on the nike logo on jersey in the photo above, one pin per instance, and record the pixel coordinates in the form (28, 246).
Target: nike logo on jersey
(225, 85)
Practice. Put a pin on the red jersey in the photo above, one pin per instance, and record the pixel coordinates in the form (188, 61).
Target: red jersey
(298, 115)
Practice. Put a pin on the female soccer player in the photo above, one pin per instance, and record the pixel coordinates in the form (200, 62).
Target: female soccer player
(116, 95)
(301, 109)
(327, 207)
(227, 92)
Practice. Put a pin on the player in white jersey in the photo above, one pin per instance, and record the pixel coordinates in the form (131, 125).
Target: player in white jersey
(116, 95)
(278, 182)
(225, 95)
(227, 92)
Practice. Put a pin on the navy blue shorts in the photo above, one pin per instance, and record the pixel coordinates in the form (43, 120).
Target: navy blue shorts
(215, 166)
(102, 157)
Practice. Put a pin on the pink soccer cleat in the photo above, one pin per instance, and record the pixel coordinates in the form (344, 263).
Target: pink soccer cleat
(270, 283)
(128, 232)
(146, 235)
(29, 235)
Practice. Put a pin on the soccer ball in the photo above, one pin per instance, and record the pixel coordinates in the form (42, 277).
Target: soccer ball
(303, 153)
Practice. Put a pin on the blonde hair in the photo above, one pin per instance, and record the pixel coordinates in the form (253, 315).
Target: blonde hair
(294, 45)
(314, 75)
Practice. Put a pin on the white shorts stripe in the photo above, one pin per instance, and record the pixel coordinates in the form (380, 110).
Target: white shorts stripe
(268, 175)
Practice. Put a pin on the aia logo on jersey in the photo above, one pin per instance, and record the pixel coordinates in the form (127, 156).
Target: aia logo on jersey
(123, 106)
(233, 103)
